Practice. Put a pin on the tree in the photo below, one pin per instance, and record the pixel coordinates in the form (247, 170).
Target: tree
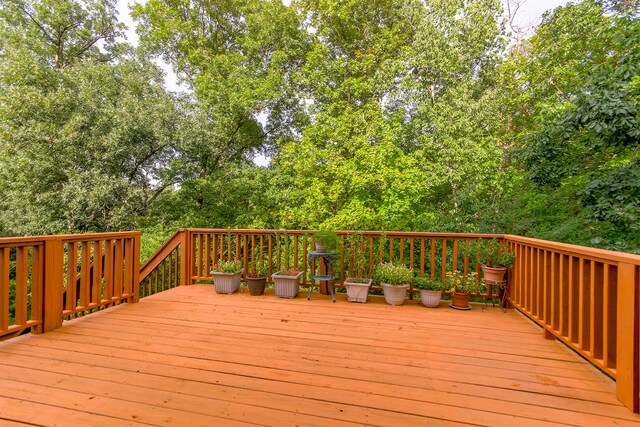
(576, 120)
(60, 32)
(391, 88)
(84, 136)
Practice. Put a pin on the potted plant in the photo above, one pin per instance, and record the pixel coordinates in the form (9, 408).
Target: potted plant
(287, 280)
(357, 283)
(493, 258)
(257, 276)
(395, 280)
(430, 290)
(325, 241)
(461, 287)
(226, 276)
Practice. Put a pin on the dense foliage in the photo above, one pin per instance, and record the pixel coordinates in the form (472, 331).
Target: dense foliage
(378, 114)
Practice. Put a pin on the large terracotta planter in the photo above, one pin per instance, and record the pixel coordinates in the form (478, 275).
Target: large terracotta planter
(357, 289)
(495, 274)
(226, 283)
(459, 300)
(286, 286)
(394, 294)
(430, 298)
(256, 285)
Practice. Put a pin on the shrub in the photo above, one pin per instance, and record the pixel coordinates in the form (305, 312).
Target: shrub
(393, 274)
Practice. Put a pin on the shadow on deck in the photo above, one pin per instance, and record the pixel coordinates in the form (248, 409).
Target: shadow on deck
(189, 357)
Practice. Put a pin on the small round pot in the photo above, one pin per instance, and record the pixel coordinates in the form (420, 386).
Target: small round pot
(430, 298)
(460, 300)
(256, 285)
(394, 294)
(495, 274)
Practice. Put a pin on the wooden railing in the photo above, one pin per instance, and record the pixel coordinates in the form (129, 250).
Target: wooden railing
(44, 280)
(430, 254)
(587, 298)
(164, 269)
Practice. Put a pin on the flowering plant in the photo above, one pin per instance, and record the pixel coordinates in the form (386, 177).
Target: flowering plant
(463, 283)
(228, 267)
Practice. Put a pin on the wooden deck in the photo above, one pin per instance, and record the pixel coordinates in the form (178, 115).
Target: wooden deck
(189, 357)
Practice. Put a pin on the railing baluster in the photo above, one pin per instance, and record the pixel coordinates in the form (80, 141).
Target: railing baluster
(96, 288)
(433, 258)
(583, 307)
(245, 256)
(207, 255)
(22, 285)
(72, 255)
(85, 271)
(444, 259)
(4, 288)
(37, 288)
(237, 258)
(454, 262)
(270, 253)
(411, 253)
(421, 257)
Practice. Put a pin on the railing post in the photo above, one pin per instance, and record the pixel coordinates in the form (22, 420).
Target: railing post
(53, 282)
(628, 351)
(136, 268)
(185, 258)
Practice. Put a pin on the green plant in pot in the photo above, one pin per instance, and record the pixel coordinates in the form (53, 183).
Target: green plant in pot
(395, 280)
(430, 290)
(257, 274)
(461, 287)
(357, 282)
(226, 276)
(286, 281)
(493, 257)
(325, 241)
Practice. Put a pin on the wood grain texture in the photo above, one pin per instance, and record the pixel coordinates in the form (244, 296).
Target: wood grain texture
(188, 356)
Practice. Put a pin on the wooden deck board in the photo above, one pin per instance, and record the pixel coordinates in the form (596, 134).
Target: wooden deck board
(190, 357)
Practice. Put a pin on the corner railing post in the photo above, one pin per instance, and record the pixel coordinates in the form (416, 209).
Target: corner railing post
(185, 258)
(136, 268)
(53, 283)
(628, 351)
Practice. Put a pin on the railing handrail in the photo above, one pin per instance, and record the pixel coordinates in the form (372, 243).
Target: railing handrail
(569, 249)
(83, 237)
(415, 234)
(159, 255)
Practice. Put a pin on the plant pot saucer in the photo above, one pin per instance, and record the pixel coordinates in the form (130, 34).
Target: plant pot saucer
(459, 308)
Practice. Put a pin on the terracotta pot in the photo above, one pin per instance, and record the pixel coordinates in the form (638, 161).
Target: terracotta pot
(460, 300)
(226, 283)
(286, 286)
(495, 274)
(256, 285)
(394, 294)
(357, 289)
(430, 298)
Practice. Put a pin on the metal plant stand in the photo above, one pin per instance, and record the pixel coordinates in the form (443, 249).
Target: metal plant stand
(329, 258)
(502, 286)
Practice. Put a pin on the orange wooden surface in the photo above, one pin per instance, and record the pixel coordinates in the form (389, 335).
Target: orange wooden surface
(188, 356)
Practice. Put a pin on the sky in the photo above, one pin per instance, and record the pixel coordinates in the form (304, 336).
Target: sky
(529, 15)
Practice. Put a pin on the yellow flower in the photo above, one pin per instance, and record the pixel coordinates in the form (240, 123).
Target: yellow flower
(457, 282)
